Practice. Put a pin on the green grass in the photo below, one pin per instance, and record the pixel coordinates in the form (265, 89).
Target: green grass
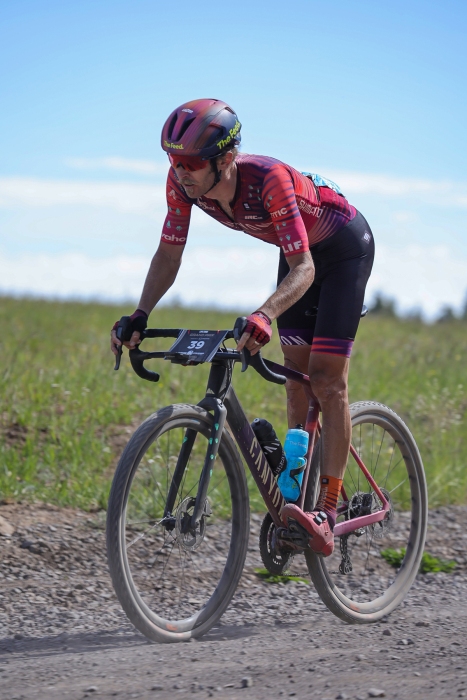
(65, 414)
(265, 575)
(429, 563)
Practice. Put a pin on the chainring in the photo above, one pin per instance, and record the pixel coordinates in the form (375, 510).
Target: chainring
(274, 559)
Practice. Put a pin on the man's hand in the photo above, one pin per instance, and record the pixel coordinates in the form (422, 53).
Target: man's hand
(138, 324)
(257, 332)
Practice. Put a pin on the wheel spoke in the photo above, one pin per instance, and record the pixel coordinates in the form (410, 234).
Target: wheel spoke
(173, 570)
(372, 587)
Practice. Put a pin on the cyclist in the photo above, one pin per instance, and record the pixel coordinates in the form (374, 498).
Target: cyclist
(326, 257)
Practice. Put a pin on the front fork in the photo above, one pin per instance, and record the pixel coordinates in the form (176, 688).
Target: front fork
(219, 414)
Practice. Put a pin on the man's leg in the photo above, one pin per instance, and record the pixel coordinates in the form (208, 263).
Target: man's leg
(296, 357)
(329, 378)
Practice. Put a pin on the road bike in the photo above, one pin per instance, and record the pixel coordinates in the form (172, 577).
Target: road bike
(178, 512)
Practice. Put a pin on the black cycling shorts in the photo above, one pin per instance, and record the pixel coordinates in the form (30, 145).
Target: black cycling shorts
(328, 314)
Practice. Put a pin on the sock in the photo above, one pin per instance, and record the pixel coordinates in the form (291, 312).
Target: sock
(328, 495)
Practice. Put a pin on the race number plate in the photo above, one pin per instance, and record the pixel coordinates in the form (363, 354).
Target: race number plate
(197, 346)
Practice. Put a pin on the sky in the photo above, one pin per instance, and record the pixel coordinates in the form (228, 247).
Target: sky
(371, 95)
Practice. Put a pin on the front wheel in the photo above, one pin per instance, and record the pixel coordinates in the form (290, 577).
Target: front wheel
(357, 582)
(174, 582)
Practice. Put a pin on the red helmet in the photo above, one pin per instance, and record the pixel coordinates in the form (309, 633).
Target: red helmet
(203, 128)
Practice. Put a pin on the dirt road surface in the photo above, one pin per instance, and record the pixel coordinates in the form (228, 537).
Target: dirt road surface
(63, 634)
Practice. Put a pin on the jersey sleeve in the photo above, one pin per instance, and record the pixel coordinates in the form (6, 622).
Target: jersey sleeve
(280, 202)
(177, 221)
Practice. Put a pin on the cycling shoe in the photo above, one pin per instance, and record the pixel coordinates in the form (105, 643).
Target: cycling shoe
(316, 524)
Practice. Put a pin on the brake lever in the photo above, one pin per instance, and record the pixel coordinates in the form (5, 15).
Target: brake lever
(123, 333)
(119, 356)
(245, 355)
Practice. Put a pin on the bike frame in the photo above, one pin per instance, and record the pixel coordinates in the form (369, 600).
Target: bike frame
(223, 401)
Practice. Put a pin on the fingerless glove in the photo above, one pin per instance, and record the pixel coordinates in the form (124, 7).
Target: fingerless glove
(139, 322)
(259, 327)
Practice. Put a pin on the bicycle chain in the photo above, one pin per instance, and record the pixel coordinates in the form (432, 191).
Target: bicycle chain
(345, 567)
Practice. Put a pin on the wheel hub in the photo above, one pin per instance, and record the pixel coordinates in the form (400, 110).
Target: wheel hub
(189, 538)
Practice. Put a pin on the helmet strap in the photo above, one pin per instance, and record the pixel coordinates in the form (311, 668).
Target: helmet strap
(217, 174)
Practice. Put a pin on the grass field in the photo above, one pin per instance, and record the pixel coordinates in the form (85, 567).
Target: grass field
(65, 414)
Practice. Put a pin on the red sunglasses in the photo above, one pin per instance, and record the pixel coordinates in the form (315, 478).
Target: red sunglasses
(190, 163)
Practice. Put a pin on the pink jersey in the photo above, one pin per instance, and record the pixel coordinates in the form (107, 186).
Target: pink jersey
(273, 202)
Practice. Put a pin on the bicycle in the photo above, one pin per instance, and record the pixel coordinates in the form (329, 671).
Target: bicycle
(180, 484)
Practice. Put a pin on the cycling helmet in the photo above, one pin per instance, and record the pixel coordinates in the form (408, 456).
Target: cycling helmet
(203, 128)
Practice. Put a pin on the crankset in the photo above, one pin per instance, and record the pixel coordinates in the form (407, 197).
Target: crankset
(276, 557)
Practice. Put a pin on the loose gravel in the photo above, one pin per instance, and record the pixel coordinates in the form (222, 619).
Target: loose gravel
(63, 633)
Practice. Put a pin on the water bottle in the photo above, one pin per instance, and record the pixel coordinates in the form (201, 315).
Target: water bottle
(295, 448)
(270, 444)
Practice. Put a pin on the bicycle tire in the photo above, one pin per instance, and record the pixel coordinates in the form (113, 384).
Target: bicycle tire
(161, 608)
(351, 596)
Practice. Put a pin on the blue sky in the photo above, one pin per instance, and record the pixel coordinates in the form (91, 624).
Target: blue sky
(370, 94)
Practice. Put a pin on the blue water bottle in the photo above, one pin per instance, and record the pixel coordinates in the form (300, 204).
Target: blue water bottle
(295, 448)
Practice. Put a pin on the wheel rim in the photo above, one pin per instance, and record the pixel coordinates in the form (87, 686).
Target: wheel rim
(374, 584)
(174, 575)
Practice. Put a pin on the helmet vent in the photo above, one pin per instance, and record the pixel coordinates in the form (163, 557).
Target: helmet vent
(171, 126)
(185, 126)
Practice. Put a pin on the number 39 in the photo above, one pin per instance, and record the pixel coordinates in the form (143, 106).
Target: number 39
(196, 344)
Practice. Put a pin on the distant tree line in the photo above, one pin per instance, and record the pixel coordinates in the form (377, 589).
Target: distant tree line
(385, 306)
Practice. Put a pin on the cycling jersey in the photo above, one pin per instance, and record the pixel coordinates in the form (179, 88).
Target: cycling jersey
(272, 202)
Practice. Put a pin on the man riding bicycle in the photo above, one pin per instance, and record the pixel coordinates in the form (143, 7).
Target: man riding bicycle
(325, 261)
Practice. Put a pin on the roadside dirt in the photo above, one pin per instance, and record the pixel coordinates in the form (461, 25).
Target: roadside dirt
(63, 634)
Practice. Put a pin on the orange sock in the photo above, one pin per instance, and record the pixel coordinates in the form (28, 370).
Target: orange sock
(328, 496)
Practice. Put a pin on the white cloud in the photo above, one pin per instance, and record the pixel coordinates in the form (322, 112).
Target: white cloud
(227, 278)
(423, 277)
(121, 196)
(435, 192)
(22, 192)
(127, 165)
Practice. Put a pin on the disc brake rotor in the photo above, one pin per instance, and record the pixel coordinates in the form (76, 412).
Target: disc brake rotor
(188, 538)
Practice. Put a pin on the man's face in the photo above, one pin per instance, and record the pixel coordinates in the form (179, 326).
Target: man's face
(197, 182)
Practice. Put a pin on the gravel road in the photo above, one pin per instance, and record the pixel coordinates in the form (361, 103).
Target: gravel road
(63, 634)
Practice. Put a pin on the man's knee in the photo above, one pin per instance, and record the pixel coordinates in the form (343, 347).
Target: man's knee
(327, 385)
(296, 357)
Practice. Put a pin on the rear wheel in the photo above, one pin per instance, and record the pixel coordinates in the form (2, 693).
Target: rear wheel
(357, 582)
(174, 583)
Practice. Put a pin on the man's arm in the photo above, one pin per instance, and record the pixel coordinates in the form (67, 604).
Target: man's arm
(292, 287)
(290, 290)
(161, 276)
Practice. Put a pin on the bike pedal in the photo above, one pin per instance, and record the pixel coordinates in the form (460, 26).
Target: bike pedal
(295, 534)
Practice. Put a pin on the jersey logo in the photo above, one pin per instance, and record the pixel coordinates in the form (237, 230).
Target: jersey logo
(292, 247)
(246, 205)
(205, 206)
(173, 238)
(252, 216)
(278, 212)
(172, 194)
(309, 209)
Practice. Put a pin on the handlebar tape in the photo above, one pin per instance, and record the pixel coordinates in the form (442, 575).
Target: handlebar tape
(137, 358)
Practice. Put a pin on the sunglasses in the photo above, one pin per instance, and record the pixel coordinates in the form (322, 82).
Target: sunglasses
(190, 163)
